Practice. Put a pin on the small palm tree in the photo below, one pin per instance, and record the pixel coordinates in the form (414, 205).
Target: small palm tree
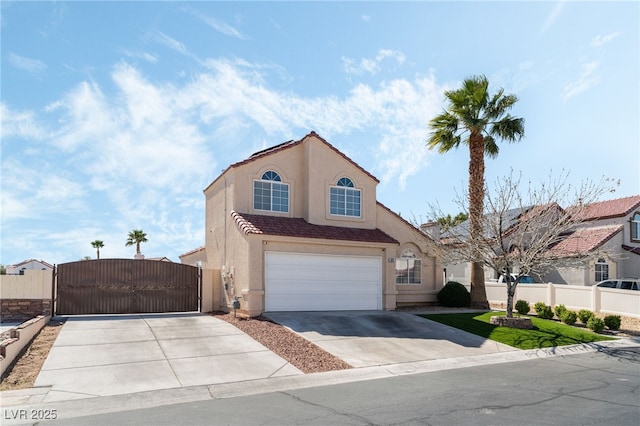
(136, 237)
(97, 244)
(476, 118)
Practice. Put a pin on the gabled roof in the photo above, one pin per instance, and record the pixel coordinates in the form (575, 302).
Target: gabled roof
(161, 259)
(287, 145)
(584, 240)
(298, 227)
(619, 207)
(24, 262)
(195, 250)
(406, 222)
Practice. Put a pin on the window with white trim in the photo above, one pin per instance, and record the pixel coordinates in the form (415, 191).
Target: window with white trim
(269, 193)
(408, 268)
(344, 199)
(635, 227)
(602, 270)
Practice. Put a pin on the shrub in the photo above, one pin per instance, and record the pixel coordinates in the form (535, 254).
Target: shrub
(454, 294)
(569, 317)
(559, 311)
(585, 315)
(522, 307)
(612, 322)
(543, 310)
(596, 324)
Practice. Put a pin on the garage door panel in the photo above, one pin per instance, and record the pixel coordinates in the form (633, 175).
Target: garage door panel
(298, 282)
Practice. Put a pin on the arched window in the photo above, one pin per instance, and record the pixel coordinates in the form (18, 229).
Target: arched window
(269, 194)
(345, 200)
(408, 268)
(635, 227)
(602, 270)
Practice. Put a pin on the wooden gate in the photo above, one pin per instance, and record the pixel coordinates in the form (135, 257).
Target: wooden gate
(125, 286)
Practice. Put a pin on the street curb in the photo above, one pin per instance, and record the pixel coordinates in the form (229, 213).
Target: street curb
(12, 402)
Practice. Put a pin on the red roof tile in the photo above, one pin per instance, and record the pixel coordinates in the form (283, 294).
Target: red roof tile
(584, 240)
(611, 208)
(298, 227)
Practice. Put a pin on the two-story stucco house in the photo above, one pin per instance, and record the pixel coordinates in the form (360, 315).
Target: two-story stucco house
(297, 227)
(611, 227)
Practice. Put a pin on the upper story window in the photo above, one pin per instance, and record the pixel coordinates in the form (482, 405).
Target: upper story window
(408, 268)
(602, 270)
(635, 227)
(269, 193)
(345, 199)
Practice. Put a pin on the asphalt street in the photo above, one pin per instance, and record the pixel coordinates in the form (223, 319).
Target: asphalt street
(596, 388)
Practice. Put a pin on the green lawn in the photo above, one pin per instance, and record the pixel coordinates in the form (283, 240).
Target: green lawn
(545, 333)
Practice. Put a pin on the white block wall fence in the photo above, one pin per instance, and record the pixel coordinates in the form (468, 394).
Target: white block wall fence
(595, 299)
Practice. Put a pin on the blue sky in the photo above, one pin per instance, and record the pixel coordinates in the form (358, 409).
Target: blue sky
(116, 115)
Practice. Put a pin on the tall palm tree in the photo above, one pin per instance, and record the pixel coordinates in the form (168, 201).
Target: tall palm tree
(476, 118)
(97, 244)
(136, 237)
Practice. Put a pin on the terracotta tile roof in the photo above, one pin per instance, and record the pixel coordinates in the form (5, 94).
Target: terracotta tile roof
(298, 227)
(611, 208)
(584, 240)
(635, 250)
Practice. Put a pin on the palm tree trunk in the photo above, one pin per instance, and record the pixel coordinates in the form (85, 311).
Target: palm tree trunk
(137, 247)
(476, 208)
(98, 253)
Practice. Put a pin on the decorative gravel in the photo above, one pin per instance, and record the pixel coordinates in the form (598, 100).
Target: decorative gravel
(297, 350)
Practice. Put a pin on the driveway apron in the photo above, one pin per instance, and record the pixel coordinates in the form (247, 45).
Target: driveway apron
(371, 338)
(121, 354)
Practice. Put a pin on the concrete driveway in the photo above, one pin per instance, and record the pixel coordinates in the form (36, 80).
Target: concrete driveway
(112, 355)
(370, 338)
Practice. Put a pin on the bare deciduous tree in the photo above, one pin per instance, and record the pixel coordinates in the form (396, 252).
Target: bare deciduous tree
(521, 233)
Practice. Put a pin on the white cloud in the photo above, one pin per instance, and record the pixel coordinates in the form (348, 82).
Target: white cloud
(145, 56)
(171, 43)
(371, 65)
(365, 18)
(33, 66)
(552, 17)
(601, 40)
(20, 124)
(585, 81)
(221, 26)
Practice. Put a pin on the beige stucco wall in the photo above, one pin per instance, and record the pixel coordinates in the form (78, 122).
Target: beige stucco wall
(410, 238)
(310, 168)
(34, 284)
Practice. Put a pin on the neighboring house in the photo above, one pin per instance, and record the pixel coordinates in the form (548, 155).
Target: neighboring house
(297, 227)
(611, 227)
(605, 245)
(160, 259)
(31, 264)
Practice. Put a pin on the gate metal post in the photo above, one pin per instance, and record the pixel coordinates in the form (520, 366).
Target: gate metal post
(199, 289)
(53, 290)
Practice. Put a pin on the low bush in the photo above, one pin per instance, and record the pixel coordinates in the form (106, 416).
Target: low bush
(585, 315)
(596, 324)
(569, 317)
(559, 310)
(454, 295)
(612, 322)
(522, 307)
(543, 310)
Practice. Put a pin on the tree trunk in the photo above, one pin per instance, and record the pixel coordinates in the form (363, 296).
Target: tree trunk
(511, 290)
(476, 210)
(98, 253)
(138, 247)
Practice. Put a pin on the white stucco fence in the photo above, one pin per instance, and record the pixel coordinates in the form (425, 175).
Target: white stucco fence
(596, 299)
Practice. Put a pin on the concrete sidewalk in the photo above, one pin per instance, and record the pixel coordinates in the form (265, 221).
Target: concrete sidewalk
(112, 355)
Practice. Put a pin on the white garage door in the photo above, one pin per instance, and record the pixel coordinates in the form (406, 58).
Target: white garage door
(311, 282)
